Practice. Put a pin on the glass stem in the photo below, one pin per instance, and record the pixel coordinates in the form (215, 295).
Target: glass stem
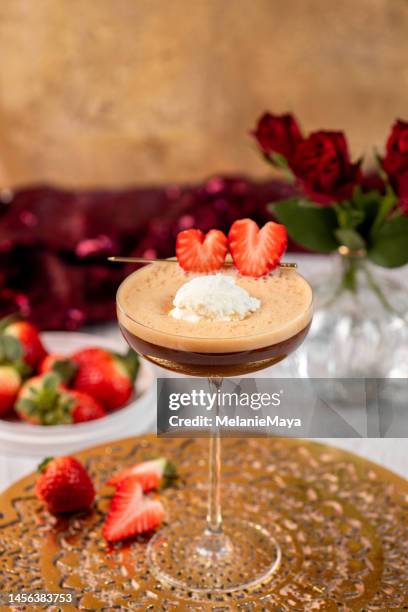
(214, 514)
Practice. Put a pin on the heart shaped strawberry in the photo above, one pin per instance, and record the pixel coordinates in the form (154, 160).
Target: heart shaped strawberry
(198, 252)
(256, 251)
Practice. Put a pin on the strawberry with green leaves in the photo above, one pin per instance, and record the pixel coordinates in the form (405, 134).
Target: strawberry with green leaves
(64, 485)
(12, 371)
(106, 376)
(28, 336)
(44, 400)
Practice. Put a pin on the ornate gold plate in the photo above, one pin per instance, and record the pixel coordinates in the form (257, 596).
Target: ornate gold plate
(341, 521)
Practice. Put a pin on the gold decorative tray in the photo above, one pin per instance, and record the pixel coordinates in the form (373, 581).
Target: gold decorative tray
(341, 521)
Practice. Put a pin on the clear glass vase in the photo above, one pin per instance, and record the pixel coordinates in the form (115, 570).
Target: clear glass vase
(360, 327)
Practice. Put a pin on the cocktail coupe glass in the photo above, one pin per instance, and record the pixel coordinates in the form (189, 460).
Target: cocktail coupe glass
(220, 556)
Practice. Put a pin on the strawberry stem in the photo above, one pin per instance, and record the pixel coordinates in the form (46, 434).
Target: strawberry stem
(11, 349)
(65, 369)
(131, 363)
(43, 465)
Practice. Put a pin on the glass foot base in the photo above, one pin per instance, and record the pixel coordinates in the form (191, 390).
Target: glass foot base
(187, 557)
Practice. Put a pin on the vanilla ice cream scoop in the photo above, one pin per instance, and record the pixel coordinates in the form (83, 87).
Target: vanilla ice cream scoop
(215, 297)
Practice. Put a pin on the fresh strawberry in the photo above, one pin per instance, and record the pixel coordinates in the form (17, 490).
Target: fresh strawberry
(106, 376)
(85, 407)
(10, 383)
(29, 337)
(198, 252)
(152, 474)
(64, 485)
(43, 400)
(131, 512)
(12, 372)
(256, 251)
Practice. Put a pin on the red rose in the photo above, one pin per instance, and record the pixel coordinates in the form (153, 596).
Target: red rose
(278, 134)
(323, 168)
(395, 162)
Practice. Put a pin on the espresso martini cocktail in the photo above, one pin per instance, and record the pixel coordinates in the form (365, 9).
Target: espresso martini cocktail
(203, 316)
(216, 331)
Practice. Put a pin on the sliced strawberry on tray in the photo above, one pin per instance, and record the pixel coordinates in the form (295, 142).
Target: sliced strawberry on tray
(199, 252)
(131, 512)
(256, 251)
(152, 474)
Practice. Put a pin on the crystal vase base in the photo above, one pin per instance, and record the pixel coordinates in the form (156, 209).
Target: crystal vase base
(185, 557)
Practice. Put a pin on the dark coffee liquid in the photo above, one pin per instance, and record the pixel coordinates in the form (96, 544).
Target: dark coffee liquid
(214, 364)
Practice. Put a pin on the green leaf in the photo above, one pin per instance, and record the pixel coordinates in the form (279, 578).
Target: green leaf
(65, 369)
(348, 216)
(279, 160)
(50, 381)
(387, 203)
(43, 465)
(26, 405)
(309, 225)
(370, 203)
(170, 475)
(22, 368)
(10, 348)
(389, 247)
(350, 238)
(379, 165)
(132, 363)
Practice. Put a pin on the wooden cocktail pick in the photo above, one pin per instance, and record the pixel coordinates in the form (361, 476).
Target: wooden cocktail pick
(147, 260)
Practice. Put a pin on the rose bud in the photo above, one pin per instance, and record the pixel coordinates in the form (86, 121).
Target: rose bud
(323, 168)
(277, 134)
(395, 162)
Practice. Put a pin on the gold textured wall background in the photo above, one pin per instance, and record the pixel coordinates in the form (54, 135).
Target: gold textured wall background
(118, 92)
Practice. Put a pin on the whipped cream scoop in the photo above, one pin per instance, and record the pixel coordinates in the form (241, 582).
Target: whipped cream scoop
(216, 297)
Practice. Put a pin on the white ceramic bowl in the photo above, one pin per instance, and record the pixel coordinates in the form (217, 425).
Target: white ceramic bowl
(25, 440)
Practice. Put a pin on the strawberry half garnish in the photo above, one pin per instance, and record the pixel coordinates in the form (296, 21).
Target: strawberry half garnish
(131, 512)
(152, 474)
(199, 252)
(256, 251)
